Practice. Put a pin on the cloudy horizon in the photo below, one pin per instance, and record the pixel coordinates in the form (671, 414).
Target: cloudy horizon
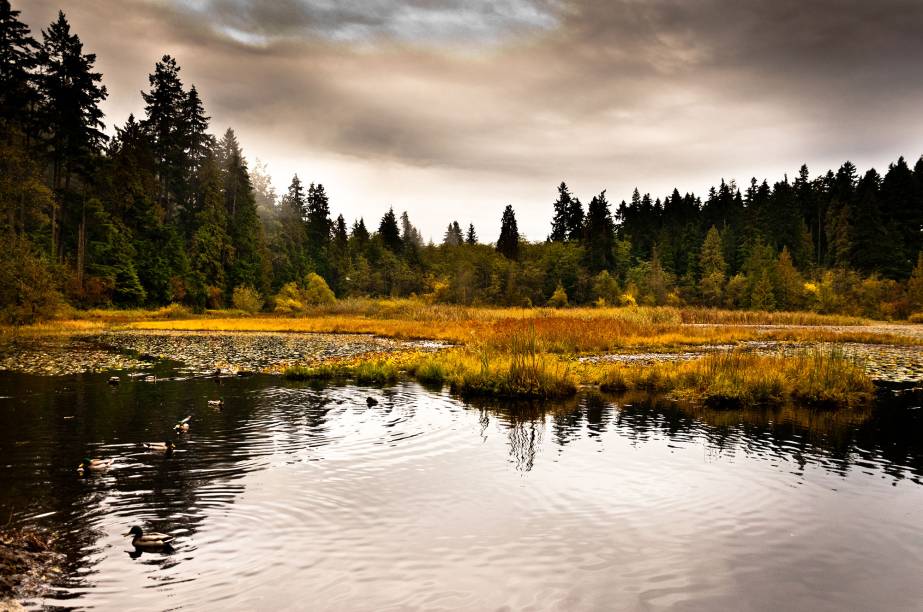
(451, 110)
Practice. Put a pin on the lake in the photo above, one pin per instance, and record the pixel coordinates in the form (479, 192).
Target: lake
(295, 496)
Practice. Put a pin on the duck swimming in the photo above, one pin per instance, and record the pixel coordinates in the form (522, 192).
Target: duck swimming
(218, 403)
(93, 465)
(183, 425)
(162, 447)
(149, 541)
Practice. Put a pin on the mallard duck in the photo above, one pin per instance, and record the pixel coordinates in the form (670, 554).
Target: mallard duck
(371, 401)
(162, 447)
(149, 541)
(93, 465)
(182, 425)
(218, 403)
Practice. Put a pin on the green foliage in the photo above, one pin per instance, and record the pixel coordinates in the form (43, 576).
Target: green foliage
(316, 292)
(558, 299)
(28, 292)
(247, 298)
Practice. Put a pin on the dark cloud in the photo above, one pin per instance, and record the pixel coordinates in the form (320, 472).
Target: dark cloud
(519, 93)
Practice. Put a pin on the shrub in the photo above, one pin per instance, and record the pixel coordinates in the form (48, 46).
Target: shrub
(558, 299)
(316, 291)
(214, 297)
(28, 291)
(247, 298)
(916, 317)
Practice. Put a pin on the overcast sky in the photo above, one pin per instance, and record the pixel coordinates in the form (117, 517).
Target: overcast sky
(452, 109)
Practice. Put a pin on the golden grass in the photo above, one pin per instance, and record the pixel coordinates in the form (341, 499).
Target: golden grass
(819, 377)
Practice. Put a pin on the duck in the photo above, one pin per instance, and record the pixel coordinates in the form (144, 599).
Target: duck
(166, 446)
(149, 541)
(218, 403)
(183, 425)
(93, 465)
(371, 401)
(114, 380)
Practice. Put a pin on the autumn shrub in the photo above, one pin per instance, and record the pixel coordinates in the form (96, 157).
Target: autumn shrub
(316, 292)
(247, 298)
(558, 299)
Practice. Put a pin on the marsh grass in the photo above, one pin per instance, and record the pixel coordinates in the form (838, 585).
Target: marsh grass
(524, 370)
(823, 378)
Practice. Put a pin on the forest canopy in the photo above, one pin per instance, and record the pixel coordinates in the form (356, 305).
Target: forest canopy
(162, 209)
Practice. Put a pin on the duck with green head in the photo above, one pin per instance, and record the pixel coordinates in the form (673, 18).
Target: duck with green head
(150, 540)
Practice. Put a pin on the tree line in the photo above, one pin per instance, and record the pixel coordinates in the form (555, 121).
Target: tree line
(163, 211)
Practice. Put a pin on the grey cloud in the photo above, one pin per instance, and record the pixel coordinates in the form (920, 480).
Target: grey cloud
(623, 91)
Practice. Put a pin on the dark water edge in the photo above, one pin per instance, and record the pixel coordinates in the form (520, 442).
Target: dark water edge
(296, 491)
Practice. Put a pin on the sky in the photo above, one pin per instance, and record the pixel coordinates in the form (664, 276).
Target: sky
(451, 109)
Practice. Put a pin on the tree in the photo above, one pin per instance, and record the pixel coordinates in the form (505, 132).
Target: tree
(164, 108)
(575, 220)
(318, 227)
(508, 243)
(560, 223)
(761, 298)
(712, 266)
(471, 237)
(915, 284)
(71, 128)
(18, 59)
(789, 286)
(453, 235)
(599, 235)
(389, 232)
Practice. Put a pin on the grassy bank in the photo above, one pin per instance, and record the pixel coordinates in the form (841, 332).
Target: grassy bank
(560, 331)
(821, 378)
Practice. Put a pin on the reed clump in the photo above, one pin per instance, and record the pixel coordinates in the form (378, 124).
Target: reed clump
(522, 370)
(825, 378)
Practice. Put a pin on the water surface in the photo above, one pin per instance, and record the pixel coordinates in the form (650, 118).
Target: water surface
(296, 497)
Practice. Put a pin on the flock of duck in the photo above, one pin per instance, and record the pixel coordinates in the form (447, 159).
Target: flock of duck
(152, 540)
(140, 539)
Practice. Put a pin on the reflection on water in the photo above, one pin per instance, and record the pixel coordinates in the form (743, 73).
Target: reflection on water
(294, 496)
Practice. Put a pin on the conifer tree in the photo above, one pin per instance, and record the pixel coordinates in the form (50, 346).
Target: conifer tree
(453, 235)
(712, 266)
(508, 243)
(599, 235)
(471, 237)
(560, 223)
(18, 59)
(390, 233)
(164, 121)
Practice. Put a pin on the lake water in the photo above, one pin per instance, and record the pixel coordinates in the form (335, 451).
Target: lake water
(301, 497)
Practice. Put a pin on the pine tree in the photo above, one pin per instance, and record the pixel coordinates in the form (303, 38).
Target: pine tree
(211, 247)
(560, 224)
(71, 93)
(575, 220)
(18, 59)
(508, 243)
(390, 233)
(471, 237)
(291, 264)
(599, 235)
(360, 234)
(453, 235)
(317, 228)
(712, 266)
(164, 109)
